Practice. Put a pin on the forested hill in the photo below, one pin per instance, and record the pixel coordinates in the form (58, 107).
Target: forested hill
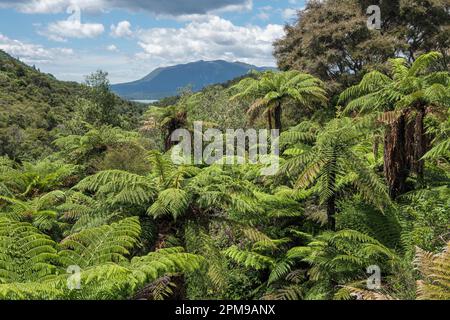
(166, 82)
(35, 107)
(26, 92)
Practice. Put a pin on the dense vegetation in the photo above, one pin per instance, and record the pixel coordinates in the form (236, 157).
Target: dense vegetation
(36, 108)
(98, 210)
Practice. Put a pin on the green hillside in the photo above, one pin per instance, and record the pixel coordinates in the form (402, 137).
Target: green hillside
(35, 107)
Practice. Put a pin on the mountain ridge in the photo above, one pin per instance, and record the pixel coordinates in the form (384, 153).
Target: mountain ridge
(167, 81)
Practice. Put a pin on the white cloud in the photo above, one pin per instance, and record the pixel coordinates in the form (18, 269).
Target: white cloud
(61, 30)
(123, 29)
(112, 48)
(290, 13)
(32, 53)
(214, 38)
(66, 64)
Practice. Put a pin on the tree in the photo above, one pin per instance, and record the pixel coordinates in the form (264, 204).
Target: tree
(272, 89)
(333, 162)
(99, 93)
(331, 40)
(168, 119)
(33, 266)
(402, 101)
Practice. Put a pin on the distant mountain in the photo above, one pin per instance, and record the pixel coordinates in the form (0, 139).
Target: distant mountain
(165, 82)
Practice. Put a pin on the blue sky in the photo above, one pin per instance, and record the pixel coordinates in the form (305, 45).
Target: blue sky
(130, 38)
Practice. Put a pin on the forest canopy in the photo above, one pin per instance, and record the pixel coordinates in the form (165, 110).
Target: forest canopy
(92, 205)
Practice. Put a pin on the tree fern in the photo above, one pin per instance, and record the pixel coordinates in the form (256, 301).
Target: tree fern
(435, 270)
(120, 187)
(25, 253)
(108, 243)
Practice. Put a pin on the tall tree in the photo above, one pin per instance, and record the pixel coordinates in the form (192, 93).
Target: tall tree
(168, 119)
(333, 162)
(99, 92)
(401, 102)
(331, 39)
(273, 89)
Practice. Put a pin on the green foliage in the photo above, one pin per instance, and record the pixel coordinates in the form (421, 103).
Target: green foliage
(26, 254)
(35, 108)
(90, 207)
(408, 86)
(30, 262)
(172, 202)
(435, 270)
(331, 40)
(94, 246)
(335, 161)
(425, 219)
(272, 90)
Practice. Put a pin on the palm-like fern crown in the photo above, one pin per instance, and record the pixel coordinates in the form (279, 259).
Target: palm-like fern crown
(272, 87)
(341, 257)
(41, 211)
(333, 161)
(407, 86)
(164, 117)
(25, 253)
(119, 187)
(78, 148)
(32, 266)
(108, 243)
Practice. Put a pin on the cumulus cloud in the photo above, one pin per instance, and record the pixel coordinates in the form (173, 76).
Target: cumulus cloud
(61, 30)
(32, 53)
(214, 38)
(70, 65)
(72, 27)
(123, 29)
(173, 7)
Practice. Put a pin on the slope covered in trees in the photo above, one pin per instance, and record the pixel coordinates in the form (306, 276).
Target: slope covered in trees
(35, 108)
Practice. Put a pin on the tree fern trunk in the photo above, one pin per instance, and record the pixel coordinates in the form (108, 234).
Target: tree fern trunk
(269, 119)
(405, 145)
(396, 166)
(277, 115)
(420, 144)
